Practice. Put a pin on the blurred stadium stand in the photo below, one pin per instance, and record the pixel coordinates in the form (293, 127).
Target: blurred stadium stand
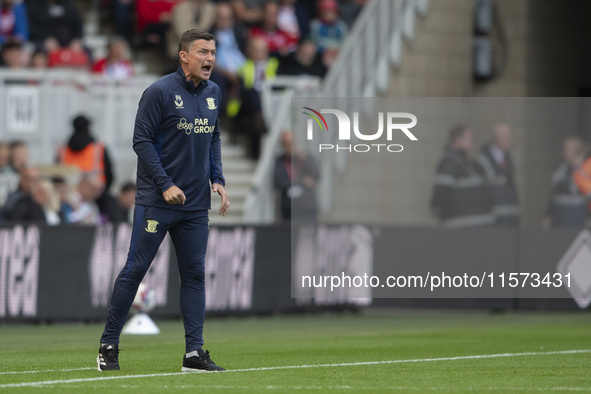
(417, 48)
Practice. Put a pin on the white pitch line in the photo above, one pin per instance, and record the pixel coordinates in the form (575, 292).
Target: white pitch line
(47, 370)
(481, 356)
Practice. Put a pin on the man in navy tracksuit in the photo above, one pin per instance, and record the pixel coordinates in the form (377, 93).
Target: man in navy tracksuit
(177, 141)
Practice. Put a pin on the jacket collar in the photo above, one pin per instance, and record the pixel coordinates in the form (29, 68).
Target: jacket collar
(190, 85)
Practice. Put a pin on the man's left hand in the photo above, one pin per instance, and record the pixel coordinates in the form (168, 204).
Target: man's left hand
(219, 189)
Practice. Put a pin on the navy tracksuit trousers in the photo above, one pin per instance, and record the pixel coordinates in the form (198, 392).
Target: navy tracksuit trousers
(189, 231)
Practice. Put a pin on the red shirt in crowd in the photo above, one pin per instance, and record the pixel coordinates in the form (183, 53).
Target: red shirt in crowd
(119, 69)
(277, 40)
(150, 11)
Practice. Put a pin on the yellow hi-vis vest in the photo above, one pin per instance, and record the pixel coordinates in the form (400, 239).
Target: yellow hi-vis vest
(248, 74)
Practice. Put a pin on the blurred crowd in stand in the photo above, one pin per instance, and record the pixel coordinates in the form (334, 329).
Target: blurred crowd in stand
(484, 192)
(257, 40)
(46, 194)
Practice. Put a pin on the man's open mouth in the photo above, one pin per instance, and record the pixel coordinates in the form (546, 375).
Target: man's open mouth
(206, 68)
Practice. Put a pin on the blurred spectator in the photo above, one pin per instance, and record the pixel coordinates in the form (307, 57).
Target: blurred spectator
(5, 168)
(29, 177)
(153, 19)
(306, 61)
(258, 68)
(19, 156)
(230, 43)
(278, 41)
(349, 10)
(117, 63)
(122, 13)
(8, 178)
(13, 56)
(14, 25)
(296, 177)
(69, 58)
(85, 210)
(567, 206)
(461, 197)
(39, 206)
(189, 14)
(90, 156)
(293, 18)
(83, 151)
(44, 194)
(121, 208)
(39, 60)
(328, 31)
(495, 159)
(26, 209)
(62, 192)
(54, 24)
(248, 11)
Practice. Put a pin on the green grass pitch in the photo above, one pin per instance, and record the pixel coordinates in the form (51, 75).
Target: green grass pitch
(405, 351)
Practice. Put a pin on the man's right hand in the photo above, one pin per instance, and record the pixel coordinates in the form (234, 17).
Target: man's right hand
(174, 196)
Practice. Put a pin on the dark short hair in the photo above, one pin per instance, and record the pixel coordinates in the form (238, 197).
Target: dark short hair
(17, 143)
(191, 36)
(128, 187)
(457, 132)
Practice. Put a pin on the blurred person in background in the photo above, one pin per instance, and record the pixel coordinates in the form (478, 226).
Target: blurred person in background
(259, 67)
(26, 208)
(28, 178)
(249, 12)
(45, 195)
(349, 10)
(495, 159)
(54, 24)
(153, 19)
(5, 167)
(461, 197)
(296, 177)
(13, 56)
(567, 206)
(122, 14)
(84, 208)
(231, 38)
(85, 152)
(62, 191)
(116, 64)
(120, 209)
(39, 206)
(89, 155)
(293, 18)
(328, 31)
(306, 61)
(19, 156)
(39, 60)
(8, 178)
(189, 14)
(14, 25)
(278, 41)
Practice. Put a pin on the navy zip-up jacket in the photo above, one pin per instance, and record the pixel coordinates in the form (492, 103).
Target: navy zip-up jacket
(177, 141)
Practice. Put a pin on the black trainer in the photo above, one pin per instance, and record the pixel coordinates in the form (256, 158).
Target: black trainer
(200, 362)
(108, 357)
